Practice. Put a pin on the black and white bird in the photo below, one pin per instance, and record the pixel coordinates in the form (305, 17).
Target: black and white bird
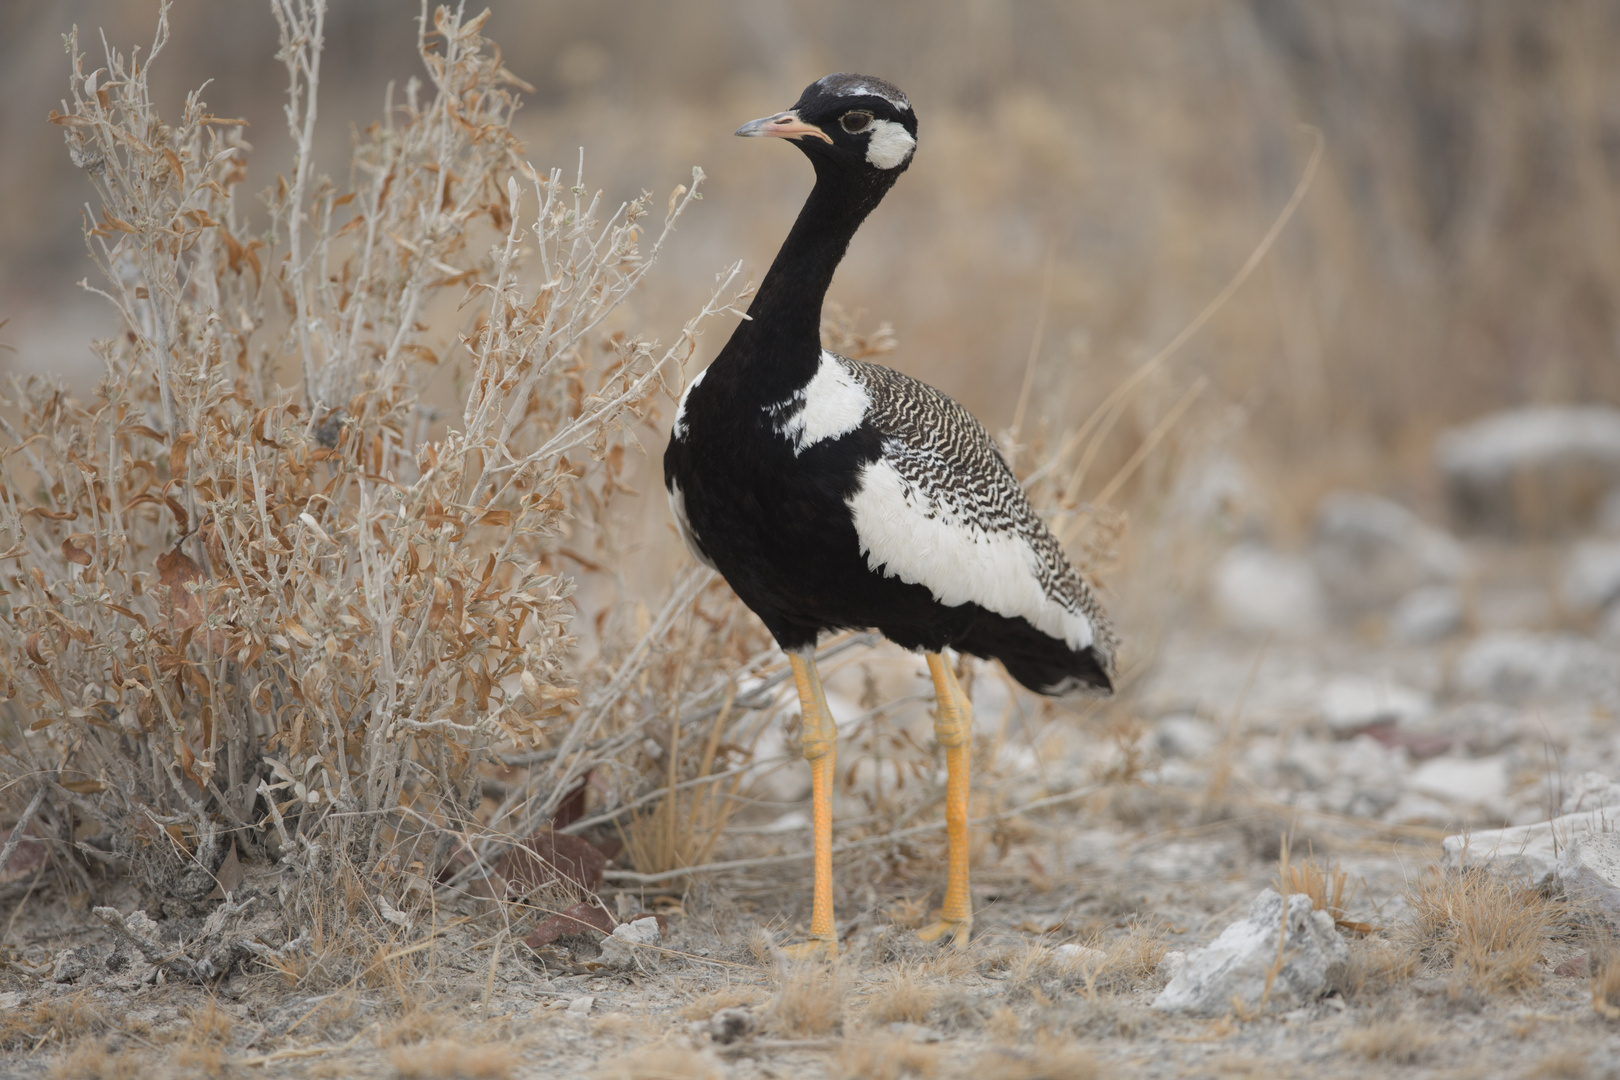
(836, 494)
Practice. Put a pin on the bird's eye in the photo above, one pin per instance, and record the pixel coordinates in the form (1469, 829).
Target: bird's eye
(856, 122)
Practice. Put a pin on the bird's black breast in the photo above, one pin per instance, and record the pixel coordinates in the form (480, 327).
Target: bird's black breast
(777, 524)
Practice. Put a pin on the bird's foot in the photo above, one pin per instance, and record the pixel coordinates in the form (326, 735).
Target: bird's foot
(813, 949)
(956, 931)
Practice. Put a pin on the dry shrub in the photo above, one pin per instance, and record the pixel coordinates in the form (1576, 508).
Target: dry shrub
(1490, 930)
(886, 1057)
(291, 570)
(663, 1063)
(1044, 975)
(1048, 1058)
(809, 1000)
(1604, 969)
(446, 1058)
(1398, 1040)
(901, 994)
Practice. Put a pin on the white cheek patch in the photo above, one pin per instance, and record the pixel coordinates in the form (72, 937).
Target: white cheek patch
(889, 145)
(679, 430)
(905, 535)
(830, 405)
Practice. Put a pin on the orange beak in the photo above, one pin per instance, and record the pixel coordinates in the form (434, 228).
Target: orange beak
(784, 125)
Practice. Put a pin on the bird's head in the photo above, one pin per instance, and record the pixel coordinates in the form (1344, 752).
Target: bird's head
(855, 121)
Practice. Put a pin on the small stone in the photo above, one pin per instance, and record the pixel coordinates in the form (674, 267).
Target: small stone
(1369, 551)
(1519, 665)
(1263, 591)
(621, 948)
(1351, 703)
(1589, 870)
(1592, 578)
(69, 966)
(1426, 615)
(1185, 736)
(1531, 471)
(581, 1006)
(1240, 965)
(1464, 780)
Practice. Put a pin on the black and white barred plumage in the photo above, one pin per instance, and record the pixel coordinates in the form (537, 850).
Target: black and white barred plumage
(835, 493)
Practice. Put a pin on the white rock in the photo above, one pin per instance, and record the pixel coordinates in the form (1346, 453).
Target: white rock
(1592, 578)
(792, 821)
(622, 947)
(1518, 664)
(1532, 469)
(1236, 964)
(1463, 780)
(1531, 851)
(9, 1000)
(1431, 613)
(1414, 809)
(1589, 791)
(1369, 551)
(1185, 736)
(581, 1006)
(1589, 869)
(1352, 702)
(1264, 591)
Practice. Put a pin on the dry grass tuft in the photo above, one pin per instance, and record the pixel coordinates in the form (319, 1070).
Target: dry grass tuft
(809, 1000)
(886, 1057)
(663, 1063)
(56, 1020)
(1327, 886)
(415, 1024)
(91, 1061)
(1489, 930)
(1399, 1040)
(1568, 1063)
(901, 994)
(1048, 1059)
(1376, 966)
(443, 1059)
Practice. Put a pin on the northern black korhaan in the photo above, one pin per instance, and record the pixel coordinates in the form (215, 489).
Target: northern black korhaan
(835, 494)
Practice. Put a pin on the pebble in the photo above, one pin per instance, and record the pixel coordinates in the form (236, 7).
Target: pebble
(1351, 703)
(1465, 780)
(1518, 664)
(1240, 965)
(1264, 591)
(1432, 613)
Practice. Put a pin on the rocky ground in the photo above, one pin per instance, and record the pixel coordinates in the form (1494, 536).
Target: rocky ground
(1431, 720)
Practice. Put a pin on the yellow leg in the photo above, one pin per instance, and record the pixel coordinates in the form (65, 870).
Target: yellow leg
(821, 751)
(953, 726)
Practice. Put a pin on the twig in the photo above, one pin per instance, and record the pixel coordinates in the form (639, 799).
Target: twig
(17, 829)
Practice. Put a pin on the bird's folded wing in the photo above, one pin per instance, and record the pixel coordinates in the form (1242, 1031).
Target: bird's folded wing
(941, 508)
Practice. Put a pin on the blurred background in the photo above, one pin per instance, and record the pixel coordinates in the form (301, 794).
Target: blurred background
(1458, 252)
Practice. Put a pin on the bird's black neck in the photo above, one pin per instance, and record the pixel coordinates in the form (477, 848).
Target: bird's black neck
(780, 342)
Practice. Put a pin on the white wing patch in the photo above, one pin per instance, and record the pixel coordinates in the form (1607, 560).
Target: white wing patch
(890, 144)
(905, 535)
(677, 506)
(831, 404)
(679, 430)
